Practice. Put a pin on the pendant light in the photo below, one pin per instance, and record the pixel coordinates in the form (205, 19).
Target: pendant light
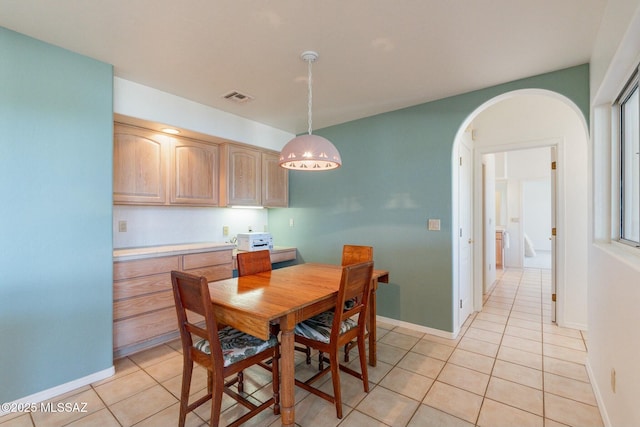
(310, 152)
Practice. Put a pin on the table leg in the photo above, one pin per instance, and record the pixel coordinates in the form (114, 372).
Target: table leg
(372, 324)
(287, 370)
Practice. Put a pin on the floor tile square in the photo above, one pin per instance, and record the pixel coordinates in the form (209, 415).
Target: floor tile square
(420, 364)
(433, 349)
(399, 340)
(518, 374)
(516, 395)
(478, 346)
(482, 335)
(520, 357)
(388, 407)
(496, 414)
(426, 416)
(570, 412)
(464, 378)
(475, 361)
(576, 371)
(569, 388)
(455, 401)
(407, 383)
(142, 405)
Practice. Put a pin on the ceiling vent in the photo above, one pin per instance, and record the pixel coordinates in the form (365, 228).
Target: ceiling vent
(238, 97)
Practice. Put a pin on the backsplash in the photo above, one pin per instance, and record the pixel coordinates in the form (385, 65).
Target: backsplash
(161, 225)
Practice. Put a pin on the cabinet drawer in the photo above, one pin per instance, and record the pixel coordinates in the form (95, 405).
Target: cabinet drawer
(143, 304)
(141, 285)
(213, 273)
(283, 256)
(141, 328)
(145, 267)
(206, 259)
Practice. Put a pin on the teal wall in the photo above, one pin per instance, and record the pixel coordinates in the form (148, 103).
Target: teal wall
(396, 174)
(56, 235)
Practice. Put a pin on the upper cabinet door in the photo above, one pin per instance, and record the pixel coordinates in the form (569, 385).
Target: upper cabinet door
(194, 172)
(275, 182)
(139, 166)
(244, 176)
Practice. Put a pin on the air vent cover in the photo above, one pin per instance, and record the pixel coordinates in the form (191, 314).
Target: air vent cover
(238, 97)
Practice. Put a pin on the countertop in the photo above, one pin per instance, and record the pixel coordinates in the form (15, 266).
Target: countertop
(128, 254)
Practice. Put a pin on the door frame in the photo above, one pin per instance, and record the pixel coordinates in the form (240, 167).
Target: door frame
(559, 220)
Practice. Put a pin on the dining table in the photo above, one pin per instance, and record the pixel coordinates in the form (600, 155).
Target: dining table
(286, 296)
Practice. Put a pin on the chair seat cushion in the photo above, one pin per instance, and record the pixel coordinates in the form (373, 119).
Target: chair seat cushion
(318, 328)
(237, 345)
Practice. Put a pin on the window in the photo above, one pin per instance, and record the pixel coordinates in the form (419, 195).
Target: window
(629, 109)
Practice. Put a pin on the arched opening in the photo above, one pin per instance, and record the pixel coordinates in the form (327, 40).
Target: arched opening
(522, 120)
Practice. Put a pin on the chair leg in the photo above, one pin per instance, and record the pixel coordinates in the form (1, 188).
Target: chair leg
(308, 353)
(335, 377)
(275, 373)
(216, 403)
(363, 363)
(240, 382)
(320, 361)
(187, 372)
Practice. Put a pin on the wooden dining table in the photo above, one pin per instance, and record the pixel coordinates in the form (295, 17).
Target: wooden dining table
(286, 296)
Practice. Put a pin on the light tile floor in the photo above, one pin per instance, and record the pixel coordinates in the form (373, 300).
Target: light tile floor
(509, 367)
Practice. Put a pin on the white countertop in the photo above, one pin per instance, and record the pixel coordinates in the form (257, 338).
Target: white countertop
(127, 254)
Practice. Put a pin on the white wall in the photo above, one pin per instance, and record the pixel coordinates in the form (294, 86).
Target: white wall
(534, 120)
(614, 270)
(148, 225)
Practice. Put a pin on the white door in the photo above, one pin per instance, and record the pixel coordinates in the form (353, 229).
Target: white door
(553, 233)
(465, 233)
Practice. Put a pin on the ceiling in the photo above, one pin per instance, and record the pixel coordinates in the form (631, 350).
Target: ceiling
(374, 55)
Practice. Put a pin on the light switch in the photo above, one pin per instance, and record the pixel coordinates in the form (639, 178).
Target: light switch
(225, 230)
(122, 226)
(434, 225)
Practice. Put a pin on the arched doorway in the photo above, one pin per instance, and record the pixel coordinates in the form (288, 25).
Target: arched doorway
(521, 120)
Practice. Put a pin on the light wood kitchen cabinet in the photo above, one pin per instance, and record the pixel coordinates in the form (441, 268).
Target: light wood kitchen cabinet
(194, 173)
(243, 176)
(139, 166)
(144, 313)
(151, 168)
(253, 177)
(275, 181)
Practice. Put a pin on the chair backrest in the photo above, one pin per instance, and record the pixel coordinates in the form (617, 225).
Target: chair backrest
(193, 301)
(354, 285)
(353, 254)
(253, 262)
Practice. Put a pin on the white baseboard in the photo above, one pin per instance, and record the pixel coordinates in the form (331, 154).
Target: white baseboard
(64, 388)
(596, 392)
(418, 328)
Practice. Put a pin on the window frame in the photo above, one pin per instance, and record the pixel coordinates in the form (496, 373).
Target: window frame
(630, 88)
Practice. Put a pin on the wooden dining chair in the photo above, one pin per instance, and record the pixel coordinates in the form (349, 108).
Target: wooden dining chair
(258, 262)
(353, 254)
(223, 352)
(330, 330)
(253, 262)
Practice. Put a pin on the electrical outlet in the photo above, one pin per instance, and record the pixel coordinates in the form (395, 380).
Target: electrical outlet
(122, 226)
(225, 230)
(290, 222)
(433, 225)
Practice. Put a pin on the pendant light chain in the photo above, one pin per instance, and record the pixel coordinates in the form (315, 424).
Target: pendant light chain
(310, 120)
